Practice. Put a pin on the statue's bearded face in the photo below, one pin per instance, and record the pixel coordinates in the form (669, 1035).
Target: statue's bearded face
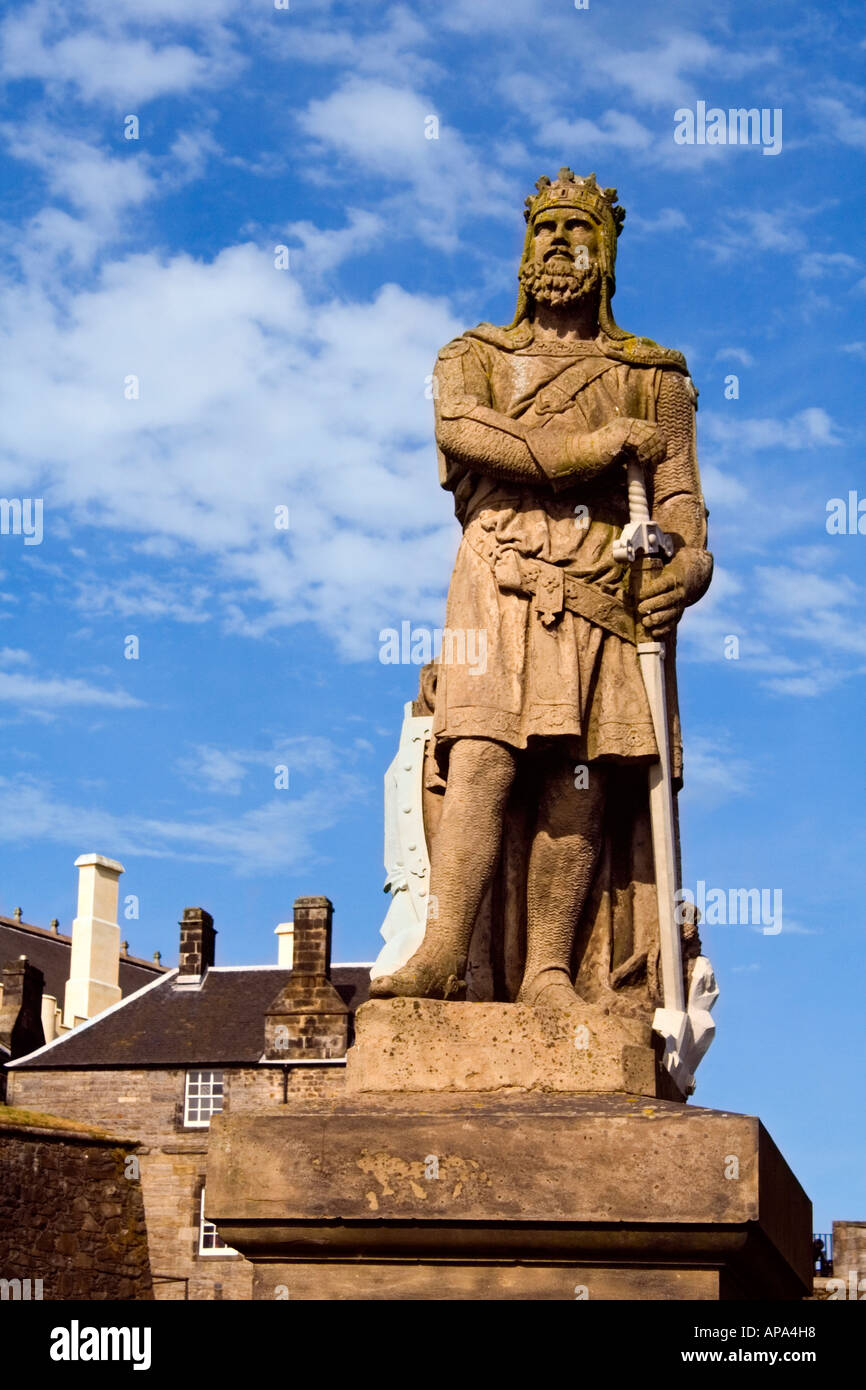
(563, 260)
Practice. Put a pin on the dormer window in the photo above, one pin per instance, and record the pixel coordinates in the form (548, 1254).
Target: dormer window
(203, 1097)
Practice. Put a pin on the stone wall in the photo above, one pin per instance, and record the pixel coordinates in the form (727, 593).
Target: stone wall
(849, 1248)
(173, 1159)
(71, 1222)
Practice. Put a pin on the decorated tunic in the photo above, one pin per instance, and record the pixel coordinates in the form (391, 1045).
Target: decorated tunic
(535, 573)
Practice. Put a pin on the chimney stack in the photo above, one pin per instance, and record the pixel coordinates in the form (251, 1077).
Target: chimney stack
(50, 1014)
(20, 1015)
(308, 1019)
(197, 944)
(94, 959)
(285, 934)
(311, 947)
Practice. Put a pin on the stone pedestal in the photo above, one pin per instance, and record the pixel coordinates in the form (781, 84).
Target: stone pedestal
(491, 1151)
(485, 1195)
(424, 1045)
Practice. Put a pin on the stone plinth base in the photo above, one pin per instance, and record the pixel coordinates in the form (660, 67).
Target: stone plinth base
(406, 1045)
(533, 1196)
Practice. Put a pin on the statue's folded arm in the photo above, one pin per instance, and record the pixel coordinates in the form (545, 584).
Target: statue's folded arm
(487, 448)
(470, 434)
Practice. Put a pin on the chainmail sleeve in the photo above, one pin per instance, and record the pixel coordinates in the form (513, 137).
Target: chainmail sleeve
(677, 497)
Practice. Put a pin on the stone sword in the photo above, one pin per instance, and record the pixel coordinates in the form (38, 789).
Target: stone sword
(645, 546)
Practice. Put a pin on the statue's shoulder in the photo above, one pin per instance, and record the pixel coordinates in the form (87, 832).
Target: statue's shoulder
(642, 352)
(456, 348)
(509, 339)
(486, 335)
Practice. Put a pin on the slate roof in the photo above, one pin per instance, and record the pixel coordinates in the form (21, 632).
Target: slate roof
(219, 1023)
(50, 952)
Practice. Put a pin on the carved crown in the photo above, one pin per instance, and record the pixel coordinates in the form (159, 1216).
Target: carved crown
(566, 191)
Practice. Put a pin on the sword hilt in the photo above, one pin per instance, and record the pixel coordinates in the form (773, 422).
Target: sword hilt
(638, 506)
(641, 536)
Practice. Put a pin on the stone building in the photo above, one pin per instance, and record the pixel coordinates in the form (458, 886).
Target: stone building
(193, 1041)
(52, 982)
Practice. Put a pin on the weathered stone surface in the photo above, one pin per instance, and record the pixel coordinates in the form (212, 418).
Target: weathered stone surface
(393, 1280)
(409, 1045)
(460, 1188)
(49, 1247)
(849, 1248)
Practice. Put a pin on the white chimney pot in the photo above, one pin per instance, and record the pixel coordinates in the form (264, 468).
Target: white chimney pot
(285, 934)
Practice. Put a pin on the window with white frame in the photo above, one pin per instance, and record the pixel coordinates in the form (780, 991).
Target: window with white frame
(209, 1241)
(203, 1097)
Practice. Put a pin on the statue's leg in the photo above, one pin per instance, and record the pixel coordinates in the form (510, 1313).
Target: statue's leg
(465, 849)
(561, 864)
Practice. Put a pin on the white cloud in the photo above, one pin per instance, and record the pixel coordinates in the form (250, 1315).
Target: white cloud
(806, 686)
(323, 249)
(720, 613)
(251, 396)
(821, 609)
(503, 17)
(78, 172)
(712, 772)
(794, 928)
(610, 97)
(666, 220)
(605, 50)
(797, 629)
(101, 188)
(664, 72)
(215, 769)
(90, 50)
(226, 770)
(380, 129)
(141, 596)
(276, 836)
(845, 125)
(817, 265)
(722, 489)
(48, 694)
(751, 230)
(656, 75)
(612, 130)
(386, 47)
(736, 354)
(806, 429)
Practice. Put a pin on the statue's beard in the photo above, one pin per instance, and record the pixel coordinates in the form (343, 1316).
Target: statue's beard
(560, 286)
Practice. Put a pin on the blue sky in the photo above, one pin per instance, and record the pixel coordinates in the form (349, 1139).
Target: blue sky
(304, 387)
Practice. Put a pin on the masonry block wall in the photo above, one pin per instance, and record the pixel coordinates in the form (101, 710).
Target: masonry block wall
(849, 1249)
(69, 1215)
(148, 1103)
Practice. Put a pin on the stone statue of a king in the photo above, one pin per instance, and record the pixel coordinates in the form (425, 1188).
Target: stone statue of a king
(536, 802)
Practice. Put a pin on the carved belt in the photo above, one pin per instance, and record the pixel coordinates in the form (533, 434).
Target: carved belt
(554, 591)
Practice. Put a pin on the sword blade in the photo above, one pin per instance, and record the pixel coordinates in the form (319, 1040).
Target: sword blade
(661, 797)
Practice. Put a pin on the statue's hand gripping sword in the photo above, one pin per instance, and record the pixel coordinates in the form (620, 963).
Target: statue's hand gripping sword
(646, 547)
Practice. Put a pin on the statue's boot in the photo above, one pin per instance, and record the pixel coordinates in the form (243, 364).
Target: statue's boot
(432, 973)
(550, 988)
